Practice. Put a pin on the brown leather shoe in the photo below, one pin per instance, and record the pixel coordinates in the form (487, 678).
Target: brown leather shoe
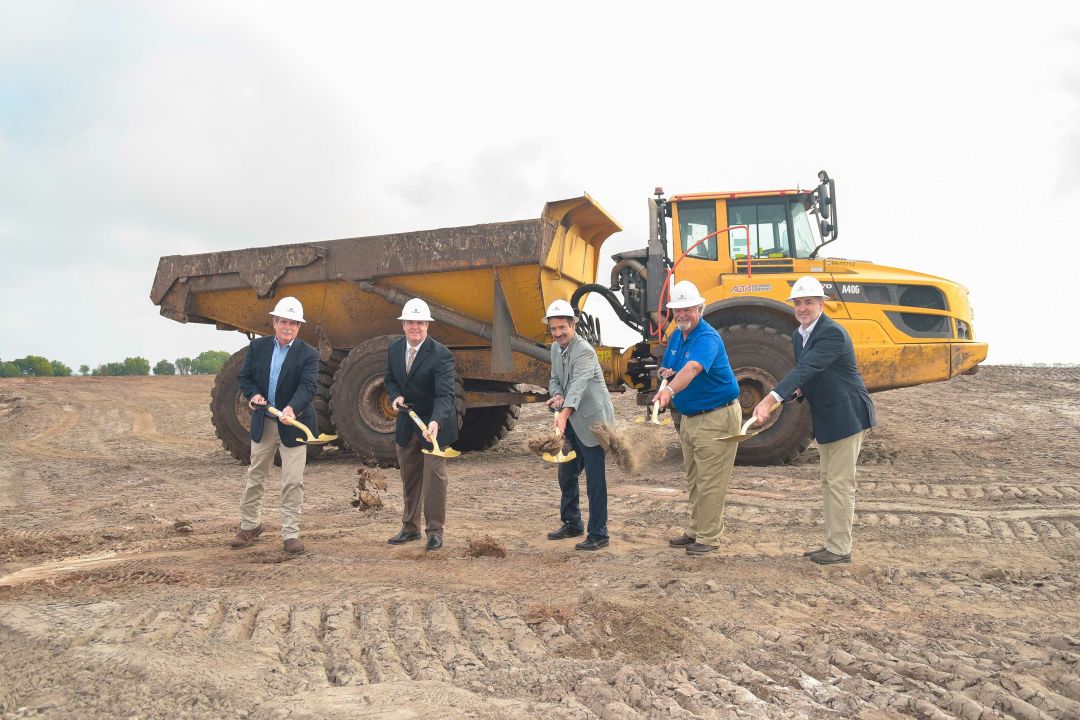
(681, 541)
(246, 538)
(293, 546)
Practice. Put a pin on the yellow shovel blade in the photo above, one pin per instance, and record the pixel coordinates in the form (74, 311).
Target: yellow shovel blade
(560, 458)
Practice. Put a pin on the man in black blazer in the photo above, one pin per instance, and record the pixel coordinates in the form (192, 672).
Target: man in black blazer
(280, 371)
(841, 410)
(420, 375)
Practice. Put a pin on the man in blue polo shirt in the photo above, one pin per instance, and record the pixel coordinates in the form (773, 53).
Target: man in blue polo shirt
(701, 386)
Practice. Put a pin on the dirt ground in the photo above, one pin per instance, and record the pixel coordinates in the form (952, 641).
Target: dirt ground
(119, 597)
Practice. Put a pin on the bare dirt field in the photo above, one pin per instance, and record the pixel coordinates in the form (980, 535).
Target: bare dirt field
(119, 597)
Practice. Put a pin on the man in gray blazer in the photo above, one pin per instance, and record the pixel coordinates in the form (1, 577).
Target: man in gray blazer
(579, 394)
(827, 375)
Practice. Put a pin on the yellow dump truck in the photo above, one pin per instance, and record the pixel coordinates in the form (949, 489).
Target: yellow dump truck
(488, 287)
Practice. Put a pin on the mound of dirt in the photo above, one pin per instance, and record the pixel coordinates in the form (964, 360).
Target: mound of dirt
(540, 444)
(485, 546)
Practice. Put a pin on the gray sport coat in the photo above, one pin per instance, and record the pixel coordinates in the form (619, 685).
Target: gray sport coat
(576, 375)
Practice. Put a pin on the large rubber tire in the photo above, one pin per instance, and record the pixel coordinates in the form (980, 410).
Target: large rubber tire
(761, 356)
(360, 407)
(229, 411)
(483, 427)
(231, 416)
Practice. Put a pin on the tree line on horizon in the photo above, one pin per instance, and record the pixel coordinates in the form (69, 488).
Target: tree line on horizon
(208, 362)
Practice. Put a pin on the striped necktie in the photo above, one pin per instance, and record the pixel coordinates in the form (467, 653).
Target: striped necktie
(409, 359)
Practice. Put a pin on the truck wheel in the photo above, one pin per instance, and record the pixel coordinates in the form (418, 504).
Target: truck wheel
(761, 356)
(483, 427)
(229, 410)
(360, 407)
(231, 415)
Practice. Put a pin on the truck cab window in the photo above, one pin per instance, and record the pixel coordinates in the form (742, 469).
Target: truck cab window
(697, 220)
(769, 236)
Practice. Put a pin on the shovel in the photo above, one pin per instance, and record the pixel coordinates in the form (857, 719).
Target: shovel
(447, 453)
(311, 439)
(654, 419)
(561, 457)
(745, 433)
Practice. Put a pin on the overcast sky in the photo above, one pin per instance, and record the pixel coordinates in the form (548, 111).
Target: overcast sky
(132, 130)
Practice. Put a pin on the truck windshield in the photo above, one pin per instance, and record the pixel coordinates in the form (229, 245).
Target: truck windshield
(805, 240)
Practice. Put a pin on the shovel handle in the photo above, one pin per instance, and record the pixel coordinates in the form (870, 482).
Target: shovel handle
(424, 428)
(753, 420)
(656, 405)
(290, 421)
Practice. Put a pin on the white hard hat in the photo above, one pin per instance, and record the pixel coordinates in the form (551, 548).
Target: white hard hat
(685, 295)
(806, 287)
(289, 308)
(416, 309)
(559, 308)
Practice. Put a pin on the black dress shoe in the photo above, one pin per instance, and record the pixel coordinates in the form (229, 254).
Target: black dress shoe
(824, 557)
(434, 542)
(404, 537)
(592, 544)
(701, 549)
(566, 531)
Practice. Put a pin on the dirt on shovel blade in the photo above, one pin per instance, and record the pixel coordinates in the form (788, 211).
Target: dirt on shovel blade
(540, 444)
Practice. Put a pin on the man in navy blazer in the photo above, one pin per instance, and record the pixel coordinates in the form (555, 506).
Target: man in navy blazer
(420, 376)
(841, 410)
(280, 371)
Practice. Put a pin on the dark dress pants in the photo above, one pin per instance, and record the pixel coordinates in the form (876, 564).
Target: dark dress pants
(591, 460)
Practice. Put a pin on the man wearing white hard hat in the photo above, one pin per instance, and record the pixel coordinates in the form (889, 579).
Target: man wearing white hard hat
(841, 410)
(279, 371)
(580, 397)
(703, 388)
(420, 376)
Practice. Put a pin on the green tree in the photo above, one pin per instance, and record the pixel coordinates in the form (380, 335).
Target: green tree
(164, 367)
(209, 362)
(84, 369)
(35, 365)
(9, 369)
(183, 365)
(59, 369)
(136, 366)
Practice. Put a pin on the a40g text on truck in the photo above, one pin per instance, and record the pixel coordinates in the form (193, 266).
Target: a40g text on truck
(488, 285)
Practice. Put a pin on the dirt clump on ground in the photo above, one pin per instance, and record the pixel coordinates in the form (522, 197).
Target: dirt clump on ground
(961, 601)
(485, 546)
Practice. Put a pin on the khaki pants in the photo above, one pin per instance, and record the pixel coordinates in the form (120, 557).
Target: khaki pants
(424, 480)
(708, 462)
(838, 487)
(293, 460)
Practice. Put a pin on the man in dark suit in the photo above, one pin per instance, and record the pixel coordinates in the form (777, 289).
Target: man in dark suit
(280, 371)
(827, 375)
(420, 375)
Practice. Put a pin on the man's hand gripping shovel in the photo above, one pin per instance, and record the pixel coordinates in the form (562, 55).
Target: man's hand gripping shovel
(654, 418)
(310, 439)
(745, 433)
(435, 450)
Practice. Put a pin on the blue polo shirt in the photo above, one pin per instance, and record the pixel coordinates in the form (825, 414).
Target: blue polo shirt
(715, 386)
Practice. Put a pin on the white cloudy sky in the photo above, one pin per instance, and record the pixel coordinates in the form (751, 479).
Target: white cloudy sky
(131, 130)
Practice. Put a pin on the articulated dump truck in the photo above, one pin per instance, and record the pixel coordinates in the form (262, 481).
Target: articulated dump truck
(488, 286)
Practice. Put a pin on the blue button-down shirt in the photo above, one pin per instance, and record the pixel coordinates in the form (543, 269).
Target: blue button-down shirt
(276, 361)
